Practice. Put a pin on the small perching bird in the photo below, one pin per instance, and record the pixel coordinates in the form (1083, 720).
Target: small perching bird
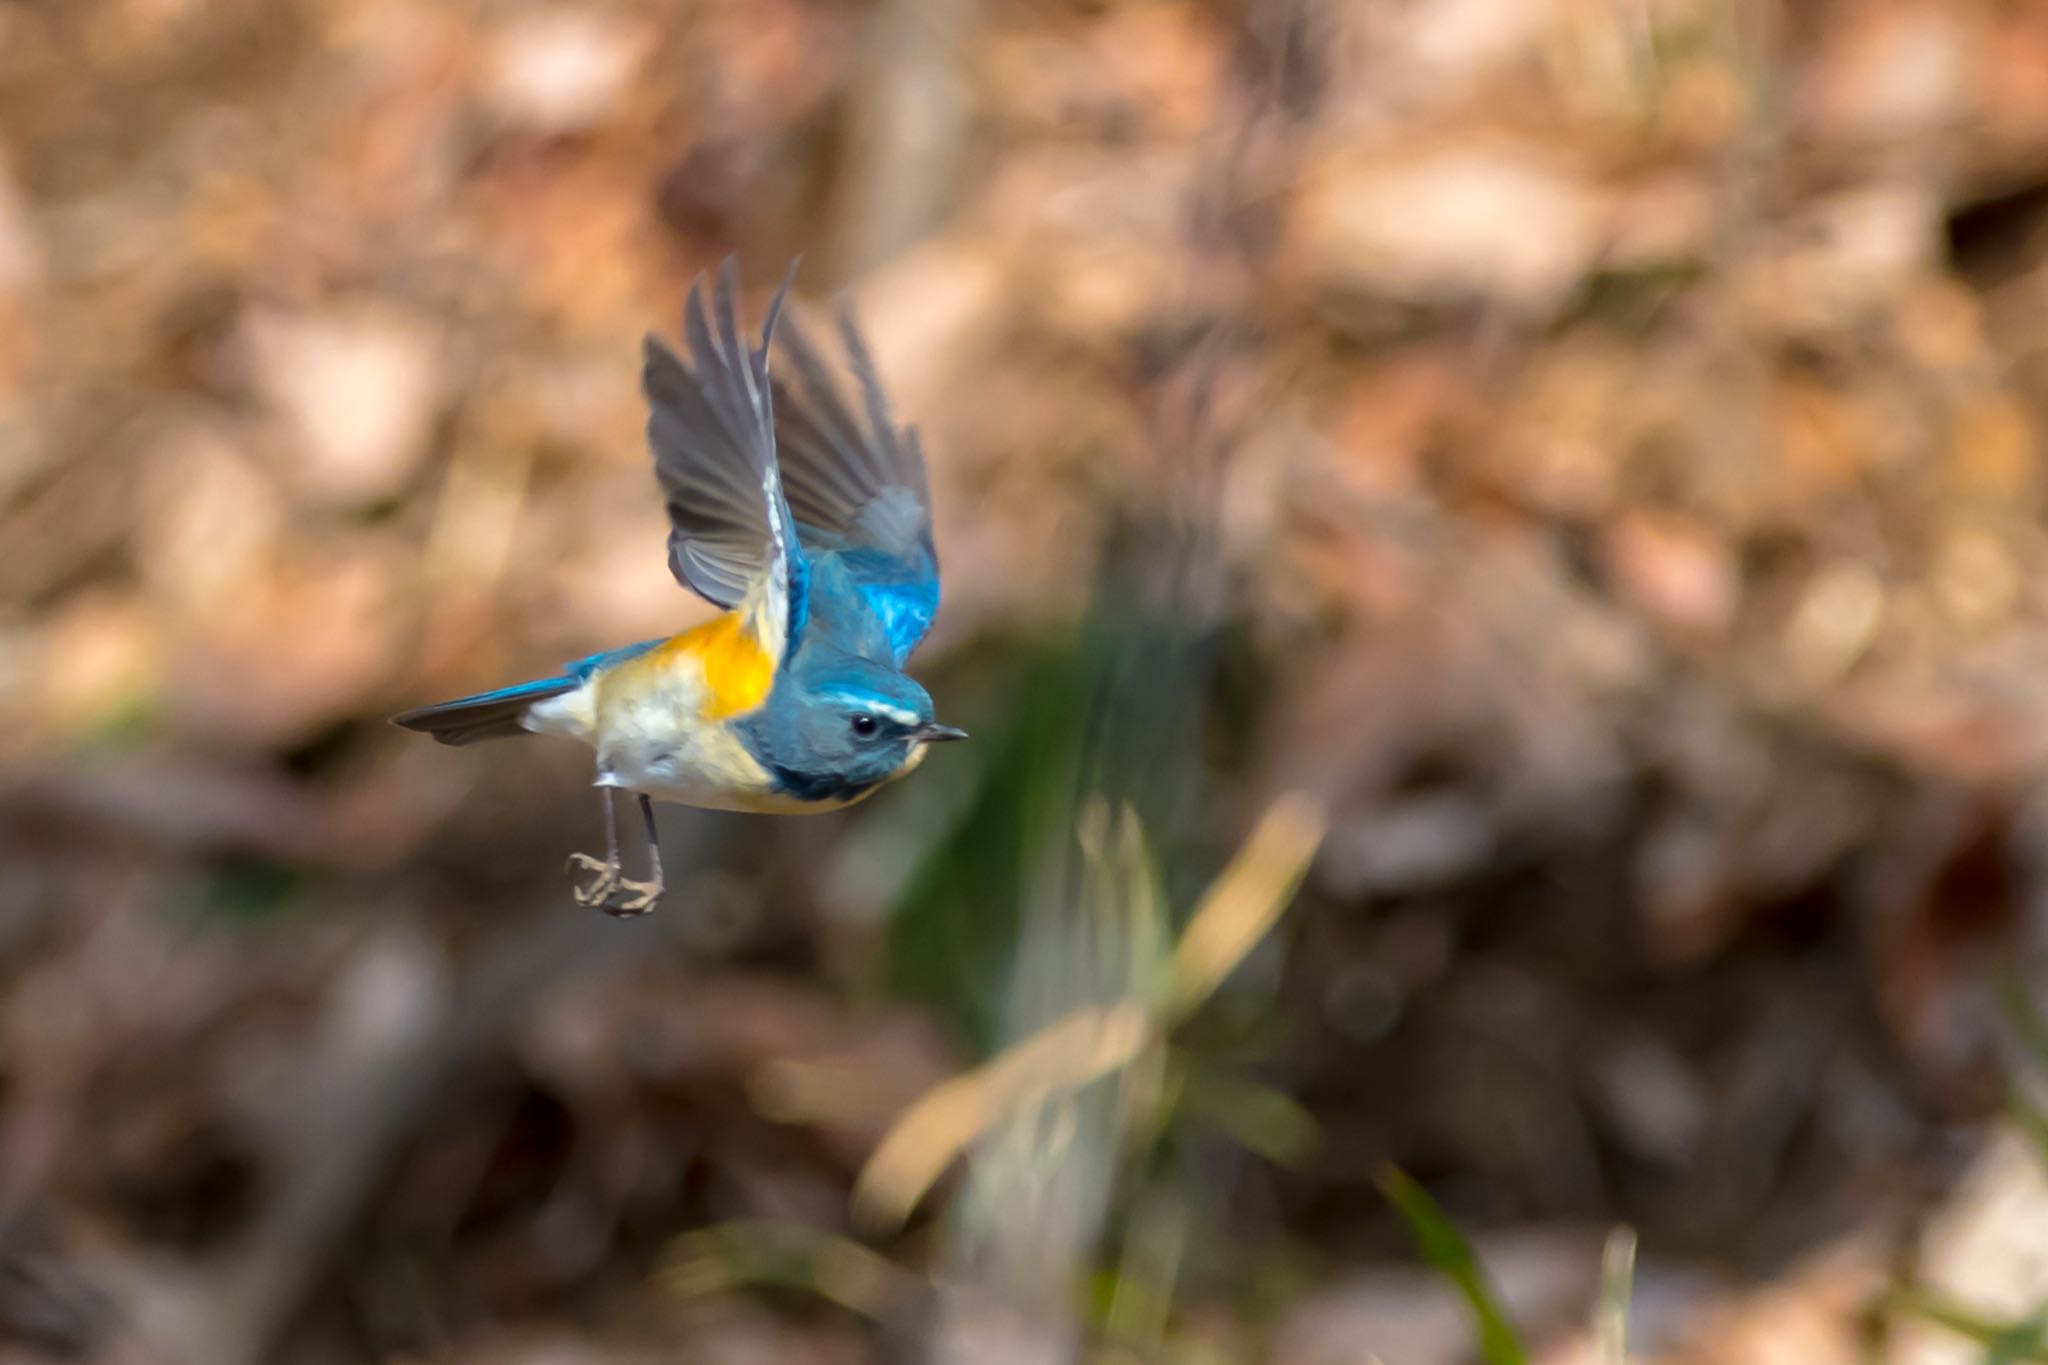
(808, 520)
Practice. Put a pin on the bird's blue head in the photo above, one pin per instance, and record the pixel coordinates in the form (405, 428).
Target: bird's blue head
(838, 726)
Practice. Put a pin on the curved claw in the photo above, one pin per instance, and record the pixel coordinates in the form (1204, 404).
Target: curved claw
(644, 898)
(600, 889)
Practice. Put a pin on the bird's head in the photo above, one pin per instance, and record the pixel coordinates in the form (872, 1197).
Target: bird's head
(838, 732)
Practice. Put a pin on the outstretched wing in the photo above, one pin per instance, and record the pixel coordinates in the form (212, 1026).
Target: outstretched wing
(711, 426)
(856, 482)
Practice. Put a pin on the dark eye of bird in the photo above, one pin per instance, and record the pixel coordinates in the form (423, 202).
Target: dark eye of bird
(865, 726)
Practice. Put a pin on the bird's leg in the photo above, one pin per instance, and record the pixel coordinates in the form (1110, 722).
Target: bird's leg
(600, 889)
(645, 895)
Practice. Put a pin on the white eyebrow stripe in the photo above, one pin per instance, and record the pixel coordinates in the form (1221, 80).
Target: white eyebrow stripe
(880, 708)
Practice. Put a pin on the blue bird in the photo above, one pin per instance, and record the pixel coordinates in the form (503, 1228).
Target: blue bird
(807, 519)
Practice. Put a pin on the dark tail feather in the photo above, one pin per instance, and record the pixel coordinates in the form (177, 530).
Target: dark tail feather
(487, 715)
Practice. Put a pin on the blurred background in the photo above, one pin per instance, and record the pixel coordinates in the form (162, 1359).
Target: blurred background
(1494, 561)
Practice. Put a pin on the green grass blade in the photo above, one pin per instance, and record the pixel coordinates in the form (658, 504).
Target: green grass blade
(2020, 1343)
(1617, 1285)
(2029, 1121)
(2029, 1025)
(1446, 1250)
(761, 1255)
(2024, 1015)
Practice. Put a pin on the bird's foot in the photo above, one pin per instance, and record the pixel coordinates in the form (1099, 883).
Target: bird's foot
(600, 889)
(632, 899)
(613, 893)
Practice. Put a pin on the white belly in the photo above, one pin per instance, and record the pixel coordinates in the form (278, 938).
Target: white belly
(656, 740)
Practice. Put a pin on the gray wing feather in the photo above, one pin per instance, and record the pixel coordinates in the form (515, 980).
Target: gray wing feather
(836, 464)
(711, 427)
(855, 482)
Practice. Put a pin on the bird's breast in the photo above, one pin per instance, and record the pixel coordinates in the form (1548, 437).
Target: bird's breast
(664, 719)
(721, 668)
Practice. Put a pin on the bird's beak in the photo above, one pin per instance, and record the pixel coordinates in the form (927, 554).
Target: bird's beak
(934, 733)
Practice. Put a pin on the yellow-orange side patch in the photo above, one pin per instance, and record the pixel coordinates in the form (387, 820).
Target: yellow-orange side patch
(738, 673)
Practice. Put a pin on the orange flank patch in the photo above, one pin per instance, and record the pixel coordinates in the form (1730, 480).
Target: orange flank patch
(737, 672)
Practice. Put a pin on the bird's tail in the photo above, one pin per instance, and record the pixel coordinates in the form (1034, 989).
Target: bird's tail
(487, 715)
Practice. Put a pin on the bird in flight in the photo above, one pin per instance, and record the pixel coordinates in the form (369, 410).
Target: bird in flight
(805, 517)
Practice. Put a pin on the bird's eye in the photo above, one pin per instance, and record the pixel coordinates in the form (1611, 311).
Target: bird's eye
(865, 725)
